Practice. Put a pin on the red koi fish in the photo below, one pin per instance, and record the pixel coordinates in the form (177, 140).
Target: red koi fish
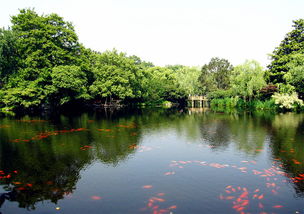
(147, 187)
(94, 197)
(172, 207)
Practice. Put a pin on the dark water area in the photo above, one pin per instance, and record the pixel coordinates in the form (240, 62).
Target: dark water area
(152, 161)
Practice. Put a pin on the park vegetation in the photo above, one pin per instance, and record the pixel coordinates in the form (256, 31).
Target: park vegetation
(44, 66)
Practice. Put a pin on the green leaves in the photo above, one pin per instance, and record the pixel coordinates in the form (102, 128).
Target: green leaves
(44, 41)
(295, 75)
(115, 75)
(68, 83)
(161, 84)
(247, 79)
(293, 43)
(30, 54)
(8, 54)
(215, 75)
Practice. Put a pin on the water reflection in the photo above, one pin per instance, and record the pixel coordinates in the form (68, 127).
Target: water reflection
(49, 155)
(287, 146)
(42, 158)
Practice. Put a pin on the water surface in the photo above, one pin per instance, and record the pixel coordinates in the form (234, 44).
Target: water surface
(152, 161)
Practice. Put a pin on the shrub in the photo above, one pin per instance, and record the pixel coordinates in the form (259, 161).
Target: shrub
(267, 91)
(288, 101)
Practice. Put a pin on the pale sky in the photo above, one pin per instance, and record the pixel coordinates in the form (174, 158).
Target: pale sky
(187, 32)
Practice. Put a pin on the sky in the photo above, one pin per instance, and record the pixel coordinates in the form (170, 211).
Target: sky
(186, 32)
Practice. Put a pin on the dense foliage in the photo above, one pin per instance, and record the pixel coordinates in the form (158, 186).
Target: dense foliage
(293, 43)
(247, 79)
(43, 65)
(215, 75)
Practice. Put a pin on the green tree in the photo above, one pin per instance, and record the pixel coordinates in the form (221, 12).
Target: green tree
(138, 61)
(25, 95)
(247, 79)
(293, 43)
(115, 76)
(215, 75)
(8, 54)
(295, 74)
(160, 84)
(44, 42)
(68, 83)
(188, 79)
(39, 43)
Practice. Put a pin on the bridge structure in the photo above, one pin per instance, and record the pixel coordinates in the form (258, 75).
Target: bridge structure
(198, 101)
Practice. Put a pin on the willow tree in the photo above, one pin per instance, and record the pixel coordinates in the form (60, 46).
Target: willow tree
(247, 79)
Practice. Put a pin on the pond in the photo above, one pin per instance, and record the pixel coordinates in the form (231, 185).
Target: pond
(152, 161)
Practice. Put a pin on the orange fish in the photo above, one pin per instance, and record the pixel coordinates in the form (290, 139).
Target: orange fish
(147, 186)
(172, 207)
(236, 206)
(21, 188)
(159, 199)
(245, 203)
(94, 197)
(244, 194)
(155, 207)
(17, 183)
(277, 206)
(261, 196)
(169, 173)
(240, 209)
(295, 161)
(257, 190)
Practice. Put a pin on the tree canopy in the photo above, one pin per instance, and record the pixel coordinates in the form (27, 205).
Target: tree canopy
(247, 79)
(293, 43)
(42, 64)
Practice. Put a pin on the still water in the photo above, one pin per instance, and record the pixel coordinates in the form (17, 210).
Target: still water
(152, 161)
